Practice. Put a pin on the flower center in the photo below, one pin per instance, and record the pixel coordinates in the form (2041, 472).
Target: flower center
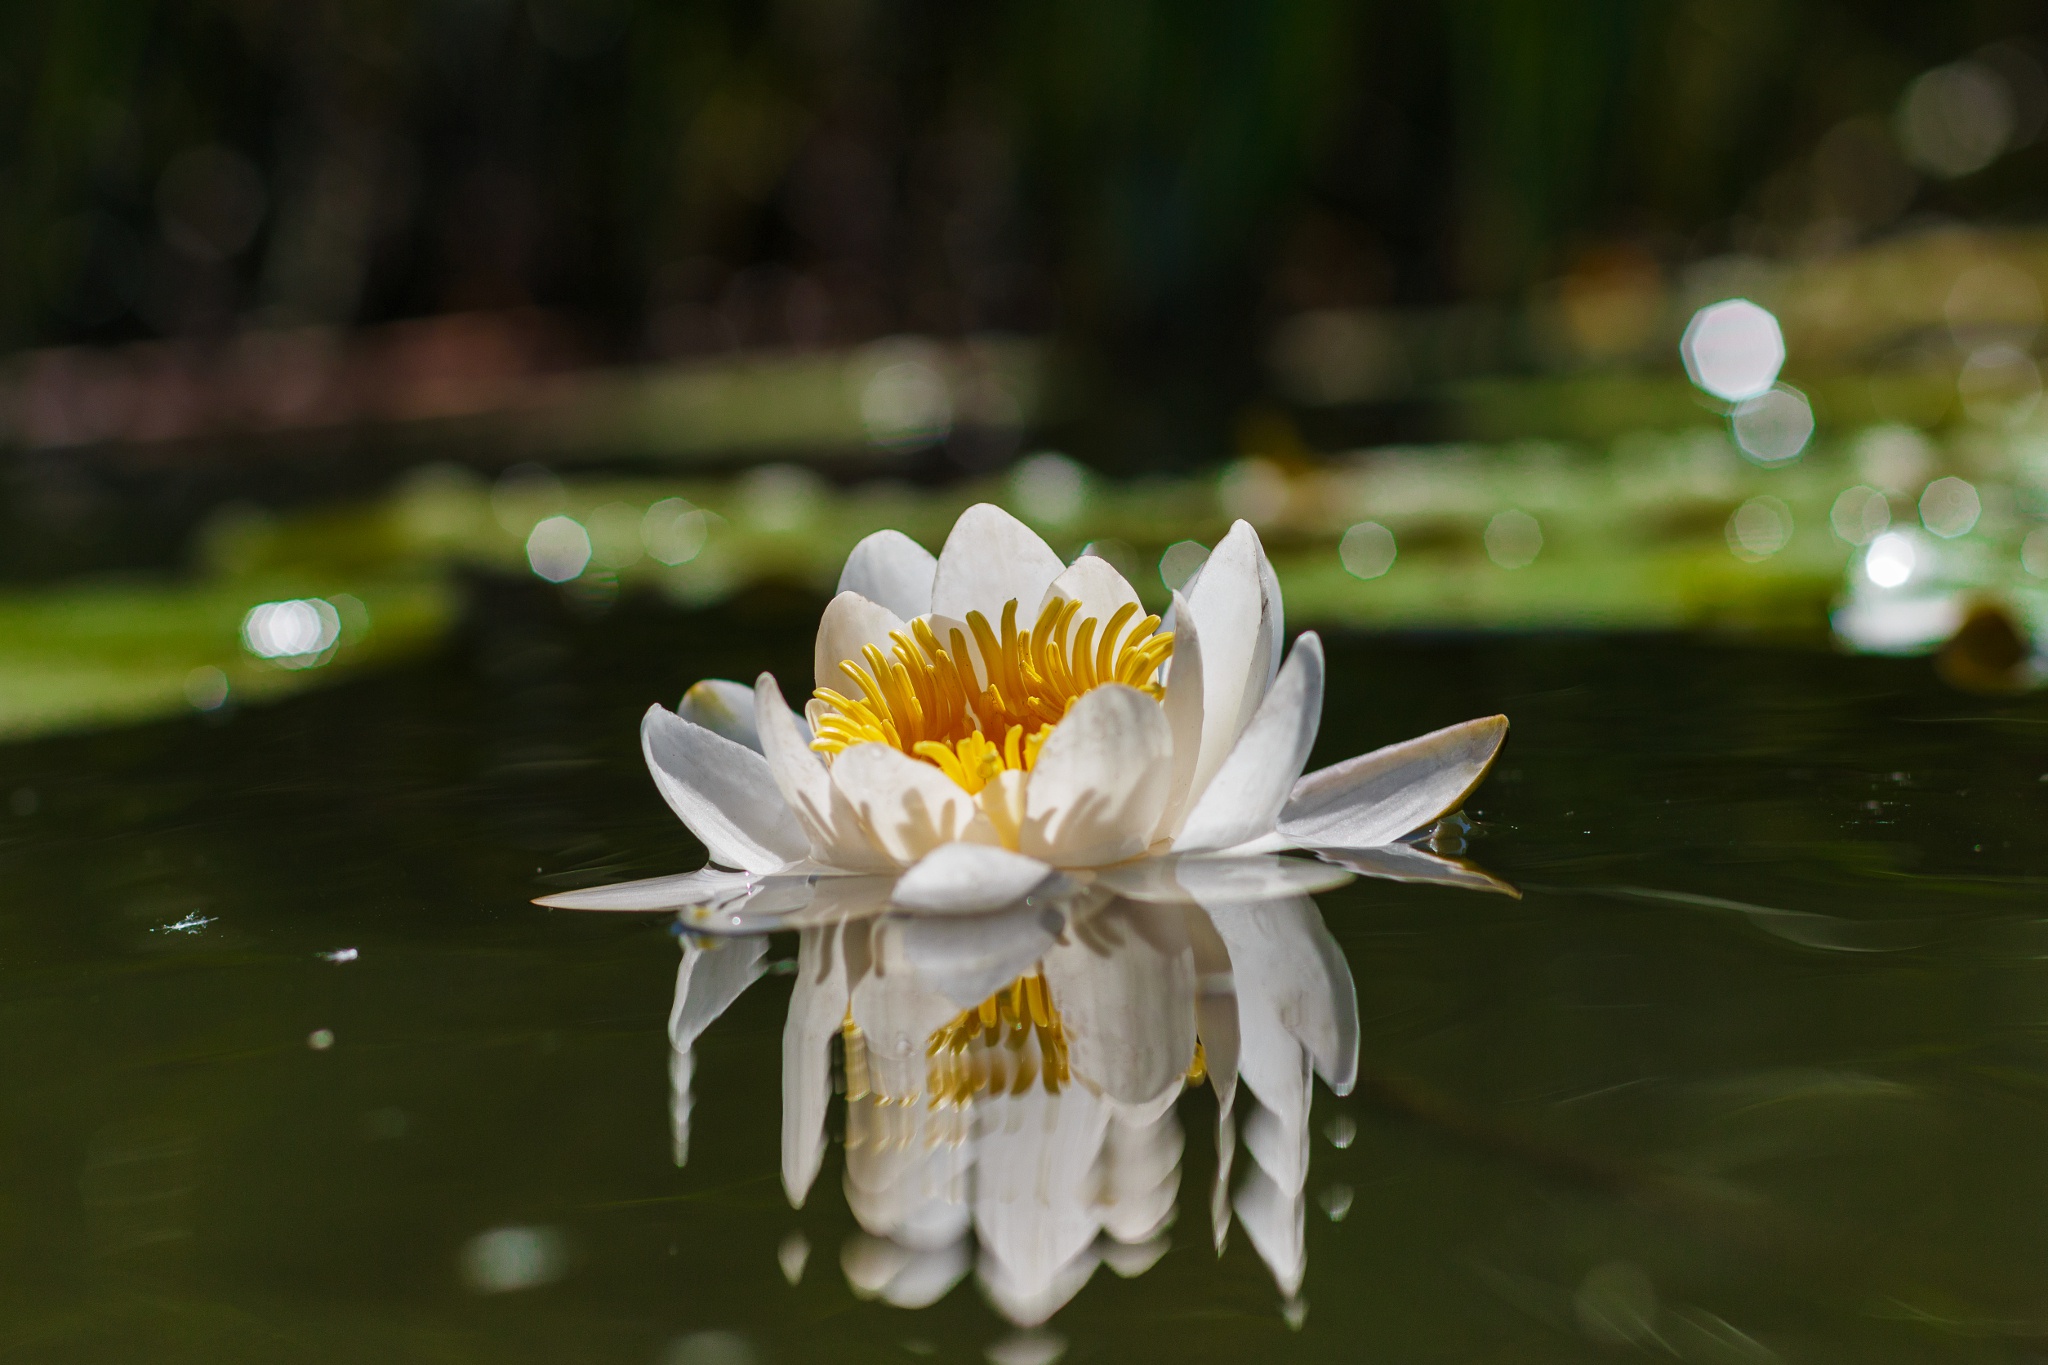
(928, 699)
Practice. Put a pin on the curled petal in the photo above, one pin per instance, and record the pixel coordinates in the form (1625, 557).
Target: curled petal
(725, 709)
(723, 791)
(1228, 606)
(850, 622)
(908, 807)
(1376, 798)
(1100, 782)
(1093, 582)
(958, 879)
(990, 558)
(837, 837)
(1244, 799)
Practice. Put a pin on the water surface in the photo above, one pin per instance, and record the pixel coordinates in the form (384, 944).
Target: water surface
(1756, 1067)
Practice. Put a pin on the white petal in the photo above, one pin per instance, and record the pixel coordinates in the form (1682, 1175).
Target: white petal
(723, 708)
(908, 806)
(723, 791)
(892, 570)
(817, 1004)
(989, 558)
(1275, 611)
(1244, 799)
(955, 879)
(1096, 585)
(1252, 877)
(850, 621)
(1228, 606)
(1183, 707)
(1376, 798)
(1100, 782)
(654, 893)
(836, 836)
(1406, 863)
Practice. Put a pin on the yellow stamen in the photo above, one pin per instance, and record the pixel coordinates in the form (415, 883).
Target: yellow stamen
(937, 701)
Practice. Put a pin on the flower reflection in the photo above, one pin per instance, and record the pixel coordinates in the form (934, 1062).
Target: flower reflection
(1011, 1082)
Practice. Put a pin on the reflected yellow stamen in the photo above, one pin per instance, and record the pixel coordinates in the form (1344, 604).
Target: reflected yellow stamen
(928, 699)
(1010, 1041)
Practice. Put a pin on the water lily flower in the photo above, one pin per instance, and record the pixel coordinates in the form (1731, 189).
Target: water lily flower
(1011, 1082)
(995, 724)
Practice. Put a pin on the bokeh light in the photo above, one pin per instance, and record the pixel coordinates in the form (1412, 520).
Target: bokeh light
(1860, 514)
(2000, 385)
(1180, 562)
(1733, 349)
(1759, 528)
(673, 531)
(1891, 559)
(1049, 488)
(504, 1260)
(206, 688)
(2034, 552)
(1949, 507)
(558, 548)
(615, 536)
(1513, 539)
(294, 633)
(906, 402)
(1774, 426)
(781, 497)
(1367, 550)
(1955, 119)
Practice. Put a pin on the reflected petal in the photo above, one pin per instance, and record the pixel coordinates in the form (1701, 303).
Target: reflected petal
(656, 893)
(1195, 878)
(817, 1003)
(893, 571)
(1376, 798)
(1124, 986)
(969, 958)
(1034, 1202)
(1407, 863)
(723, 792)
(897, 1275)
(709, 978)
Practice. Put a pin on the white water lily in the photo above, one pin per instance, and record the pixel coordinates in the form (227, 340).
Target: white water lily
(995, 726)
(1011, 1082)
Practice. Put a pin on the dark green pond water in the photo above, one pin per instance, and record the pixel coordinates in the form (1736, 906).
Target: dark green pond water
(1756, 1068)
